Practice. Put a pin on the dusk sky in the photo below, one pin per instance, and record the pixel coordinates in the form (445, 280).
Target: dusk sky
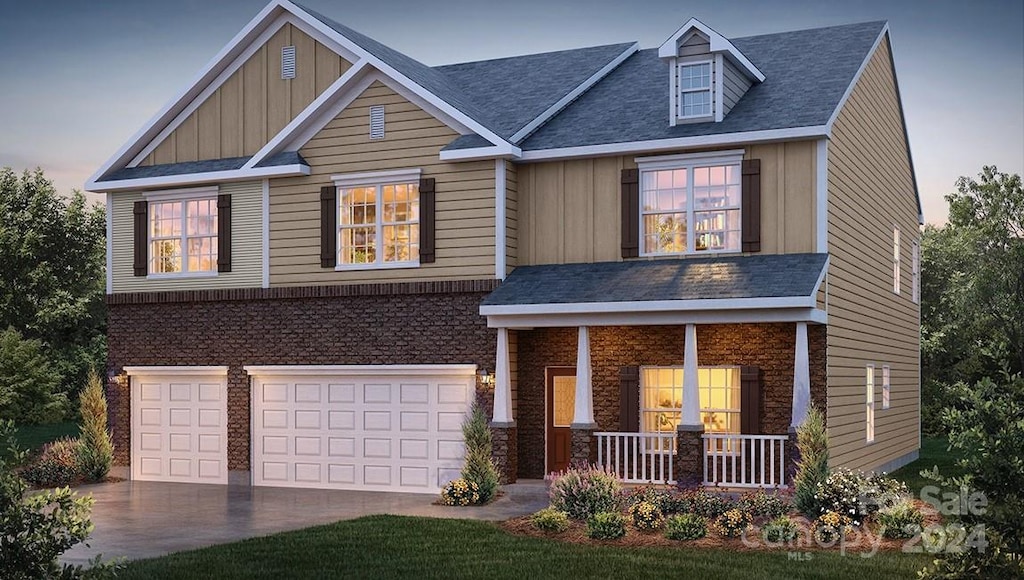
(80, 78)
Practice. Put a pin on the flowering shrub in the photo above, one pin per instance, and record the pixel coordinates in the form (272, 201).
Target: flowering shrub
(550, 520)
(584, 491)
(900, 520)
(733, 523)
(669, 501)
(606, 526)
(830, 527)
(686, 527)
(646, 516)
(460, 492)
(761, 503)
(59, 464)
(779, 530)
(856, 494)
(707, 504)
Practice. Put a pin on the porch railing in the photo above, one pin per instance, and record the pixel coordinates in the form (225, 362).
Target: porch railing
(733, 460)
(637, 457)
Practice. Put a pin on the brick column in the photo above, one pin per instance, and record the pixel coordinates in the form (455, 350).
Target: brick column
(505, 452)
(583, 446)
(689, 467)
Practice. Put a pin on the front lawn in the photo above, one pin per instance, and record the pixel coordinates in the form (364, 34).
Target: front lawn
(32, 437)
(393, 546)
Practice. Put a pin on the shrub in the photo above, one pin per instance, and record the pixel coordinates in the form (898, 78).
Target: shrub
(901, 520)
(669, 501)
(460, 492)
(59, 464)
(606, 526)
(686, 527)
(646, 516)
(763, 504)
(584, 491)
(830, 527)
(812, 463)
(550, 520)
(28, 383)
(858, 495)
(97, 449)
(479, 468)
(707, 504)
(779, 530)
(733, 523)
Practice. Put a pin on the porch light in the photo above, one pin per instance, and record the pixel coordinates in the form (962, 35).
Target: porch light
(121, 379)
(486, 378)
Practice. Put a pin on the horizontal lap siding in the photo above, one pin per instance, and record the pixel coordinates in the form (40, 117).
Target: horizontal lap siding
(246, 244)
(511, 216)
(413, 139)
(735, 84)
(870, 190)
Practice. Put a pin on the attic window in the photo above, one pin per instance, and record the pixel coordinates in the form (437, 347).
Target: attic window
(287, 62)
(377, 122)
(694, 90)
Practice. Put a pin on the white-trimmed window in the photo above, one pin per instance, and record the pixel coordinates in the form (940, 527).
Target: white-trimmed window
(183, 235)
(378, 224)
(895, 260)
(886, 387)
(661, 398)
(690, 204)
(915, 272)
(869, 418)
(695, 90)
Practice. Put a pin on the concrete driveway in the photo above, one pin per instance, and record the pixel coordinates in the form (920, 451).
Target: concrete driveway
(141, 519)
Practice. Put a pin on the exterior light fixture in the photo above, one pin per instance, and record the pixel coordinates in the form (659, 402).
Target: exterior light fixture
(486, 378)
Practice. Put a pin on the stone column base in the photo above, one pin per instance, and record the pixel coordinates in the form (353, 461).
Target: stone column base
(689, 466)
(584, 445)
(504, 450)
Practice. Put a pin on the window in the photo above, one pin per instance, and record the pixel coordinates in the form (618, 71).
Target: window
(661, 398)
(870, 409)
(694, 90)
(895, 260)
(915, 272)
(690, 207)
(885, 388)
(379, 224)
(183, 236)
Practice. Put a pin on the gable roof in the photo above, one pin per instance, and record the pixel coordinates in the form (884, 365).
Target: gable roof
(719, 44)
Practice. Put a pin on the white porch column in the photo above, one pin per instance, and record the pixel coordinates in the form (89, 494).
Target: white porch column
(801, 378)
(583, 412)
(502, 416)
(691, 395)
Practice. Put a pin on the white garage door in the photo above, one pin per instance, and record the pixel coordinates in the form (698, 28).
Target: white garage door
(179, 424)
(395, 428)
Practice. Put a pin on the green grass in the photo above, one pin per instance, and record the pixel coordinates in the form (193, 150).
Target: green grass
(32, 437)
(933, 453)
(407, 547)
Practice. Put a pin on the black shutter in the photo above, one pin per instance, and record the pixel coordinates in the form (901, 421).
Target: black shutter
(328, 226)
(224, 232)
(629, 399)
(751, 205)
(427, 198)
(141, 239)
(750, 400)
(630, 213)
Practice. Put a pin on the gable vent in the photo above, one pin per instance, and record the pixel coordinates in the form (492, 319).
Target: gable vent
(287, 62)
(377, 122)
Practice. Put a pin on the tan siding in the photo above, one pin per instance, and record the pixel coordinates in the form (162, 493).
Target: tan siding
(465, 195)
(246, 244)
(870, 190)
(254, 103)
(511, 216)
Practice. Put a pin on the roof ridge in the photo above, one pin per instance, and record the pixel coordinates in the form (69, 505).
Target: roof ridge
(812, 29)
(545, 53)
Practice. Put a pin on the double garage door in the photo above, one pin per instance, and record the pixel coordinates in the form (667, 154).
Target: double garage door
(395, 428)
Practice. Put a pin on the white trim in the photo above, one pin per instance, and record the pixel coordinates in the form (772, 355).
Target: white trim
(477, 153)
(703, 158)
(650, 306)
(856, 78)
(801, 378)
(573, 94)
(172, 275)
(110, 244)
(502, 404)
(690, 416)
(673, 318)
(673, 94)
(821, 198)
(359, 370)
(653, 145)
(207, 192)
(377, 177)
(266, 233)
(583, 403)
(710, 89)
(377, 266)
(718, 81)
(196, 178)
(719, 44)
(499, 218)
(339, 101)
(192, 371)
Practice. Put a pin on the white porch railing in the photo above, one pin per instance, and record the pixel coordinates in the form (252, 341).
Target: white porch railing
(637, 457)
(732, 460)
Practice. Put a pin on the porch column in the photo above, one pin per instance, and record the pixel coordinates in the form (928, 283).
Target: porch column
(689, 467)
(801, 378)
(691, 395)
(504, 449)
(583, 425)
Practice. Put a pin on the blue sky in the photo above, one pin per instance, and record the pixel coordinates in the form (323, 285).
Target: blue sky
(80, 78)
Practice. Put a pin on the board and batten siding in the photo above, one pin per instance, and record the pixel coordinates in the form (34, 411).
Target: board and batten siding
(871, 189)
(511, 216)
(255, 103)
(569, 211)
(246, 244)
(465, 199)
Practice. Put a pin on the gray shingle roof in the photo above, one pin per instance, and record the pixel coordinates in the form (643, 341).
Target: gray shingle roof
(759, 276)
(209, 165)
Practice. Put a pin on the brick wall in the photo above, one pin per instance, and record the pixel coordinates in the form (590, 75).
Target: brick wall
(768, 346)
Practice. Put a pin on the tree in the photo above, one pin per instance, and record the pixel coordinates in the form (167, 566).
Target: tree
(28, 387)
(97, 448)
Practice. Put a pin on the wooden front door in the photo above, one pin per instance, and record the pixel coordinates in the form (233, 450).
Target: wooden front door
(561, 394)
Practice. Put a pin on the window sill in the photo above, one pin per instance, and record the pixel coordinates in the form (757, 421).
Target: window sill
(176, 275)
(694, 254)
(382, 266)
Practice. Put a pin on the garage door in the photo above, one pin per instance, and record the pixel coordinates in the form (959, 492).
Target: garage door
(395, 428)
(179, 424)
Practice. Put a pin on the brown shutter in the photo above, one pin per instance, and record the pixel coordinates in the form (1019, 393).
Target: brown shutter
(224, 232)
(328, 226)
(751, 205)
(629, 399)
(141, 239)
(750, 400)
(630, 213)
(427, 196)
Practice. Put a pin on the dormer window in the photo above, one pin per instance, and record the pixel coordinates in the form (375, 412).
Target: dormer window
(695, 90)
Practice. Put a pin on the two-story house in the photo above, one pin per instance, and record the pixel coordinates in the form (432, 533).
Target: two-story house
(322, 252)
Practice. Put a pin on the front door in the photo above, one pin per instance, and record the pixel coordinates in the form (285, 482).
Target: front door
(561, 394)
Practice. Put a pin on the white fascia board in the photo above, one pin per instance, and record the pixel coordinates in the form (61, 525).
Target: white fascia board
(532, 321)
(652, 306)
(478, 153)
(360, 370)
(500, 193)
(177, 371)
(654, 145)
(573, 94)
(821, 278)
(821, 197)
(197, 178)
(377, 177)
(265, 207)
(719, 44)
(110, 243)
(856, 77)
(671, 161)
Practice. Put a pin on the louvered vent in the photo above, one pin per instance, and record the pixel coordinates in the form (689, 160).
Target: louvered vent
(287, 62)
(377, 122)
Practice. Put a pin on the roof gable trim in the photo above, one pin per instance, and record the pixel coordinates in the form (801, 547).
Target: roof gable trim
(719, 44)
(243, 174)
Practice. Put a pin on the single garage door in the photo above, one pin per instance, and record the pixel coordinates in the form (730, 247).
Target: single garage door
(394, 428)
(179, 424)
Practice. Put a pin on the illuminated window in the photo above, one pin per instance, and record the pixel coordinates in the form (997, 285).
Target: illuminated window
(886, 388)
(183, 236)
(915, 272)
(661, 398)
(694, 90)
(379, 224)
(895, 260)
(870, 408)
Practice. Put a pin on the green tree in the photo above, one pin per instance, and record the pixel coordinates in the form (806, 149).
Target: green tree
(97, 447)
(28, 386)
